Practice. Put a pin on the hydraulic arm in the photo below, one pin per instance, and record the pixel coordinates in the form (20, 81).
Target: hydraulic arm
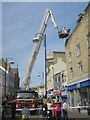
(37, 40)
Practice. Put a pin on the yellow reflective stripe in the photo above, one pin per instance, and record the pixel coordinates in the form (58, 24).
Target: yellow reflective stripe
(6, 104)
(23, 116)
(25, 99)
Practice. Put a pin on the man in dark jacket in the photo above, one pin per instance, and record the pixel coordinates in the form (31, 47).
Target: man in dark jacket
(44, 109)
(13, 108)
(88, 108)
(3, 106)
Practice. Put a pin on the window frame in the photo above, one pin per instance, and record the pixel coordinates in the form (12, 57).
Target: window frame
(80, 70)
(70, 57)
(62, 77)
(71, 72)
(88, 40)
(78, 49)
(55, 79)
(59, 79)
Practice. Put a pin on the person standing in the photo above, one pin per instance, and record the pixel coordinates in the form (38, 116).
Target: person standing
(26, 113)
(78, 104)
(44, 108)
(3, 107)
(88, 108)
(65, 110)
(13, 108)
(58, 109)
(49, 105)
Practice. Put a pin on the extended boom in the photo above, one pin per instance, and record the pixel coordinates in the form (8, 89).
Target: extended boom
(37, 41)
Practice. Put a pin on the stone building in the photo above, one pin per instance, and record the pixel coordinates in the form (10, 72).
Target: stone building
(0, 94)
(41, 90)
(77, 48)
(12, 78)
(16, 77)
(57, 73)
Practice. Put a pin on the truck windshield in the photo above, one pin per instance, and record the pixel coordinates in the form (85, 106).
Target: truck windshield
(25, 95)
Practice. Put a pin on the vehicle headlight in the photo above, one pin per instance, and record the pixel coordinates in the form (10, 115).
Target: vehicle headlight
(16, 106)
(33, 106)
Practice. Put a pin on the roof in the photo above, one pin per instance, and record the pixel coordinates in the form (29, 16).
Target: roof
(56, 52)
(80, 15)
(87, 7)
(41, 86)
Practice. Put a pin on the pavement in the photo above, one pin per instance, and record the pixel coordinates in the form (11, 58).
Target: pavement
(72, 115)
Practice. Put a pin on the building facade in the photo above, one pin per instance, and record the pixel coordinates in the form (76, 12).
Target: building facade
(57, 73)
(11, 81)
(77, 48)
(0, 93)
(15, 72)
(41, 90)
(9, 78)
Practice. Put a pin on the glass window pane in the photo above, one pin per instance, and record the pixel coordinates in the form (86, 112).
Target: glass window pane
(78, 49)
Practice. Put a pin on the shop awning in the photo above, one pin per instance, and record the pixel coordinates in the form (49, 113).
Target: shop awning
(59, 94)
(63, 96)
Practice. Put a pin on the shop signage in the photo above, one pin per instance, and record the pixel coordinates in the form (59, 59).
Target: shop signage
(78, 85)
(64, 92)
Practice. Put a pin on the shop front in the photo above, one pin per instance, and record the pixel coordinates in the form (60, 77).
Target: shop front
(64, 94)
(79, 92)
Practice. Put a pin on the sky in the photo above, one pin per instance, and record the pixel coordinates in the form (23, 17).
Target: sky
(21, 21)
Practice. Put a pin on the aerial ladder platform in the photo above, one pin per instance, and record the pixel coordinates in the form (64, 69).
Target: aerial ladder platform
(62, 33)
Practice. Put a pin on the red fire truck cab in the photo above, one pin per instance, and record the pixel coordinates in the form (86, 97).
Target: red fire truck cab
(26, 97)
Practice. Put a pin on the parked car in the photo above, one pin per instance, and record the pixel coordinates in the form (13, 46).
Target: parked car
(10, 99)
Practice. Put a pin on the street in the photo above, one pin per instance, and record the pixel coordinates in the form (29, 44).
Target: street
(60, 80)
(72, 115)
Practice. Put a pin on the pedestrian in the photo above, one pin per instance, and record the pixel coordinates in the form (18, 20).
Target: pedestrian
(3, 107)
(88, 108)
(44, 108)
(26, 113)
(65, 110)
(13, 108)
(78, 104)
(49, 105)
(58, 109)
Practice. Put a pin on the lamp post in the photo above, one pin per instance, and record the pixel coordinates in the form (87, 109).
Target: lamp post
(45, 66)
(11, 62)
(53, 77)
(35, 40)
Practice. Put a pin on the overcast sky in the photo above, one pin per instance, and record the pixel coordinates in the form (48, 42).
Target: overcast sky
(21, 22)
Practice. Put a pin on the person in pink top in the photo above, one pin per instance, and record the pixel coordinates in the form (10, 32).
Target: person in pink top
(58, 109)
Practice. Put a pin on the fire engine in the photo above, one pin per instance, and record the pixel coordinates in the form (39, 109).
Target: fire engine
(28, 97)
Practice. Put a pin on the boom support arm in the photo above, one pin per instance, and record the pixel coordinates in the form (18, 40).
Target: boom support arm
(40, 34)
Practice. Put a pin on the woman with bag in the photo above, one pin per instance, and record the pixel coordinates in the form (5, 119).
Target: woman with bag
(58, 109)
